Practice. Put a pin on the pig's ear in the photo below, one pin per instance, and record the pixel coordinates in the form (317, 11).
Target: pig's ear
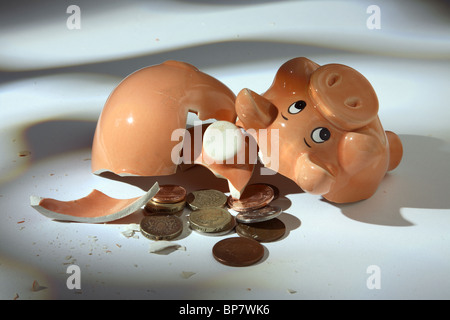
(358, 151)
(291, 77)
(395, 150)
(258, 112)
(254, 111)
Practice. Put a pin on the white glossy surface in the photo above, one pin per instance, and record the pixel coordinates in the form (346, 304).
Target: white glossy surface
(222, 141)
(403, 229)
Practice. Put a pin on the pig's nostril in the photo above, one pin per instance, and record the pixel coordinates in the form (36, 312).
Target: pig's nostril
(333, 79)
(352, 102)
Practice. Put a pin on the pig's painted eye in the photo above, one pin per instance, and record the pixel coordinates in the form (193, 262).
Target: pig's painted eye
(320, 135)
(296, 107)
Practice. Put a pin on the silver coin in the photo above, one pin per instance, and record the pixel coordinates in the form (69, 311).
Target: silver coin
(259, 215)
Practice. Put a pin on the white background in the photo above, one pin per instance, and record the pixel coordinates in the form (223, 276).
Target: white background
(54, 82)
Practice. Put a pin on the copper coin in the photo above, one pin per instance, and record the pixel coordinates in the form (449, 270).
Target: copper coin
(156, 207)
(264, 231)
(161, 227)
(170, 194)
(259, 215)
(238, 251)
(255, 196)
(276, 191)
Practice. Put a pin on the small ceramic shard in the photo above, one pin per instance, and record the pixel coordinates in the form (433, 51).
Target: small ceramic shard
(96, 207)
(36, 286)
(130, 231)
(24, 153)
(187, 274)
(163, 246)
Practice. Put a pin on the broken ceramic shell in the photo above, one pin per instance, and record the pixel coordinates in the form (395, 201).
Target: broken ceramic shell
(137, 129)
(144, 119)
(96, 207)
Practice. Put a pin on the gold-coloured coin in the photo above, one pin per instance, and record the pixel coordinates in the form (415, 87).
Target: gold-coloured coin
(209, 198)
(156, 207)
(227, 229)
(211, 220)
(161, 227)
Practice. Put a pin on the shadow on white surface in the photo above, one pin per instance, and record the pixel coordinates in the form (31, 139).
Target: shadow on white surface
(214, 55)
(422, 180)
(51, 138)
(38, 37)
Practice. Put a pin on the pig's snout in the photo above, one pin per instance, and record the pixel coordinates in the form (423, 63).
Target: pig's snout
(343, 96)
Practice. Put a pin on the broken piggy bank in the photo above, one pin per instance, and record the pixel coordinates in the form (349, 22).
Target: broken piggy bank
(317, 125)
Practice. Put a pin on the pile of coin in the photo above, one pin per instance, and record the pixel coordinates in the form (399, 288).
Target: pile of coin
(261, 224)
(209, 215)
(161, 221)
(169, 199)
(256, 220)
(255, 196)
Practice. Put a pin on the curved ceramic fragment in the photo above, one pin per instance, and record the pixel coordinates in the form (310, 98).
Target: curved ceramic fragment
(135, 131)
(96, 207)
